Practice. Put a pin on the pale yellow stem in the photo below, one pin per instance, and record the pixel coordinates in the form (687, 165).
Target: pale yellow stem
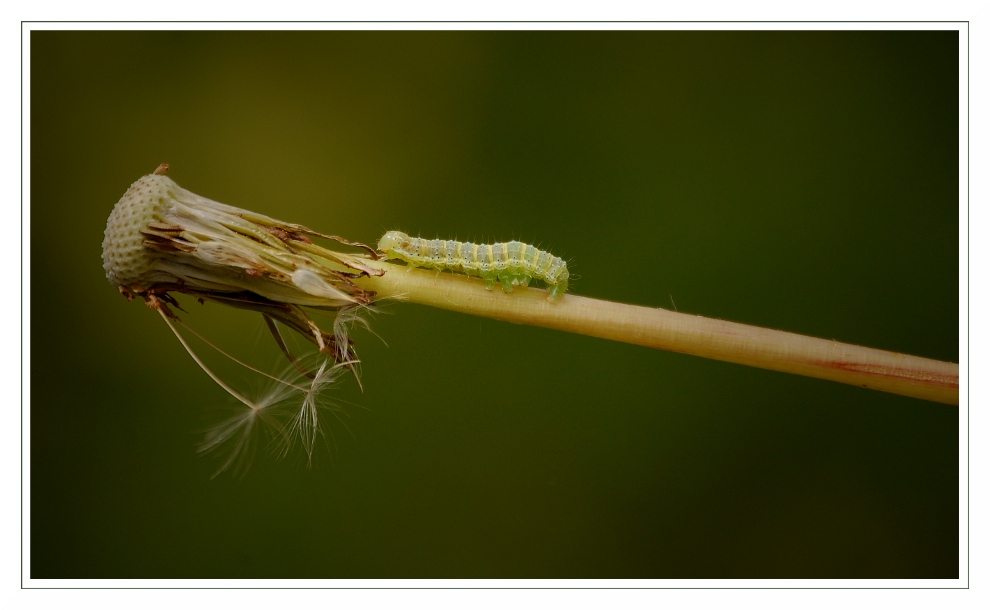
(728, 341)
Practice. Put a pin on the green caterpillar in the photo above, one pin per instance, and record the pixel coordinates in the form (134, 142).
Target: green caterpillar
(513, 263)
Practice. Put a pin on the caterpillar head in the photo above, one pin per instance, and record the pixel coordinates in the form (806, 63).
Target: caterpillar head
(392, 240)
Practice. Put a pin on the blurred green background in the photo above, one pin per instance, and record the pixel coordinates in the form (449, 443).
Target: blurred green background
(804, 181)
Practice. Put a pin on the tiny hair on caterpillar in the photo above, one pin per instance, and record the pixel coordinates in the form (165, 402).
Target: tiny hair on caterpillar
(511, 263)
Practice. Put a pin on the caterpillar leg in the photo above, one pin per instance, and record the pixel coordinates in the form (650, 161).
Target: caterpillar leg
(511, 279)
(490, 279)
(555, 293)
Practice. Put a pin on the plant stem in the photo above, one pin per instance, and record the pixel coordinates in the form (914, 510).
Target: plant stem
(662, 329)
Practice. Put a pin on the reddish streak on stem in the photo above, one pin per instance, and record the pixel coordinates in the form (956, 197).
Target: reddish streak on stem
(949, 381)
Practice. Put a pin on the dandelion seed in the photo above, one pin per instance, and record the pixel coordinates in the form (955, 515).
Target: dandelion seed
(291, 411)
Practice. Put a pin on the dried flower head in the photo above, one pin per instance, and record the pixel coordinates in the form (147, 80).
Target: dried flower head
(162, 239)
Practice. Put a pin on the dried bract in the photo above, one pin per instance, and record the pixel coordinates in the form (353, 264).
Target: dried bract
(161, 238)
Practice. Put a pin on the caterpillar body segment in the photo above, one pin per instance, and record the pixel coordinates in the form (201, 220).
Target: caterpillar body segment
(511, 263)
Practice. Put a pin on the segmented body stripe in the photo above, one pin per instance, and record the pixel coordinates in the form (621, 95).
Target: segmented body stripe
(511, 263)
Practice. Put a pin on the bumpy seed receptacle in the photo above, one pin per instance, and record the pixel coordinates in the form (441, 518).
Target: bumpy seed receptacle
(160, 236)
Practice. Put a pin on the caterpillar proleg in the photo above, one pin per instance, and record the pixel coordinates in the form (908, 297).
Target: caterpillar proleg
(512, 263)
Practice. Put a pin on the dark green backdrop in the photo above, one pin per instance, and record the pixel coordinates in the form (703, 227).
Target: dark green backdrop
(805, 181)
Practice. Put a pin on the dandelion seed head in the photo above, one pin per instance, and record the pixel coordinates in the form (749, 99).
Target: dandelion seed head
(161, 239)
(161, 234)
